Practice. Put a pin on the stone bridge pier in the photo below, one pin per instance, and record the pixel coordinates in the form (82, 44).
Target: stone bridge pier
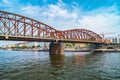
(56, 48)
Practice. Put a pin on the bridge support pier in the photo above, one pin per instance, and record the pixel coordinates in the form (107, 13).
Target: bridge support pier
(56, 48)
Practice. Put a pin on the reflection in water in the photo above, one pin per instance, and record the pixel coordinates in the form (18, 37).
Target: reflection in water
(57, 61)
(79, 59)
(36, 54)
(57, 64)
(22, 65)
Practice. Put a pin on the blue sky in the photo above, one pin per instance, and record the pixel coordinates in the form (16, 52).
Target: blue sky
(96, 15)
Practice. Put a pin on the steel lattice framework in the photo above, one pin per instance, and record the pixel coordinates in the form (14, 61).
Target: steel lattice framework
(21, 28)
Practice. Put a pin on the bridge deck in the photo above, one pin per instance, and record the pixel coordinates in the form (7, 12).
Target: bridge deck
(38, 39)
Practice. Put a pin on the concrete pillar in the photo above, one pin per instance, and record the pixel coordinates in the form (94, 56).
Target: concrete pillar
(56, 48)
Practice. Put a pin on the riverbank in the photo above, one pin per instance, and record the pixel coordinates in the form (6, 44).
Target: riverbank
(106, 50)
(69, 50)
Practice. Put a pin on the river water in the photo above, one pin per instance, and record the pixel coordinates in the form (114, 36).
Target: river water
(30, 65)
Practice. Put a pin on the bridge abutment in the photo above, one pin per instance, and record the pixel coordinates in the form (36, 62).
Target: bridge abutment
(56, 48)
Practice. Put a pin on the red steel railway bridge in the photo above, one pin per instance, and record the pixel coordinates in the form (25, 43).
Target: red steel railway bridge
(20, 28)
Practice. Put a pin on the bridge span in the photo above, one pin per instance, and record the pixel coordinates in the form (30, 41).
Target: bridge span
(20, 28)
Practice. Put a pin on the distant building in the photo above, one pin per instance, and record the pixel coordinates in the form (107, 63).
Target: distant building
(119, 40)
(109, 39)
(10, 45)
(80, 45)
(114, 40)
(35, 44)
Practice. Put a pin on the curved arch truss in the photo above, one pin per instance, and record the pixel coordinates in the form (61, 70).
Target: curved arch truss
(76, 35)
(21, 28)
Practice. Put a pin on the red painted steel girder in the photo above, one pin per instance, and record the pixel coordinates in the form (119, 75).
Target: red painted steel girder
(77, 34)
(84, 34)
(20, 27)
(16, 25)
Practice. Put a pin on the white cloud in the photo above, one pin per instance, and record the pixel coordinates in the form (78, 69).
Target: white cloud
(102, 20)
(60, 17)
(54, 11)
(10, 5)
(53, 15)
(29, 10)
(101, 23)
(7, 3)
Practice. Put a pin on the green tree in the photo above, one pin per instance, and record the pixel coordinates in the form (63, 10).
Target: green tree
(69, 44)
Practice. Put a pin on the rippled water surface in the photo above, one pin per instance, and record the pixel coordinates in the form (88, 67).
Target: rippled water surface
(28, 65)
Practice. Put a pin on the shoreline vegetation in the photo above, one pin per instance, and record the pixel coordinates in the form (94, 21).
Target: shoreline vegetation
(66, 49)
